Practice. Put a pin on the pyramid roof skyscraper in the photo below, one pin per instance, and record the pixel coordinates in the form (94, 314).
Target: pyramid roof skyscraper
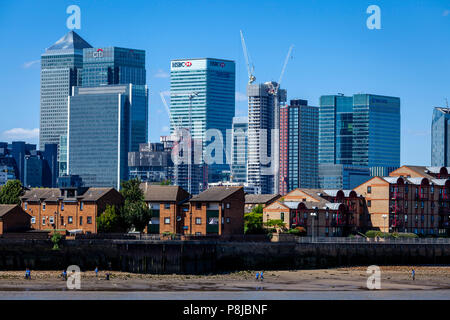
(70, 43)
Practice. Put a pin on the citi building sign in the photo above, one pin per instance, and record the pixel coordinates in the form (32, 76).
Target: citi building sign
(98, 53)
(184, 64)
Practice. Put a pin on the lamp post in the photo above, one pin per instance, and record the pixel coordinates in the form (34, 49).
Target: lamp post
(313, 215)
(385, 217)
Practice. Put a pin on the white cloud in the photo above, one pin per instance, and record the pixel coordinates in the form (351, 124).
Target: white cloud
(28, 64)
(241, 96)
(161, 74)
(20, 134)
(446, 13)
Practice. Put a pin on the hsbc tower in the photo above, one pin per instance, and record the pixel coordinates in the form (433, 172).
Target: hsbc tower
(202, 97)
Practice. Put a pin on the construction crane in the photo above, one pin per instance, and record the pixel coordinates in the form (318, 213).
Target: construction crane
(250, 66)
(274, 92)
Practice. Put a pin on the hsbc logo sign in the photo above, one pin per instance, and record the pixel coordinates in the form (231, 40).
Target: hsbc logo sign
(217, 64)
(181, 64)
(98, 53)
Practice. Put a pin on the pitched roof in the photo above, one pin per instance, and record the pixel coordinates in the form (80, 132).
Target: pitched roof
(70, 42)
(5, 208)
(163, 193)
(38, 194)
(94, 194)
(216, 193)
(260, 198)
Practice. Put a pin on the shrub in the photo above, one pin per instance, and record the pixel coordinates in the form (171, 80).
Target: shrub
(56, 238)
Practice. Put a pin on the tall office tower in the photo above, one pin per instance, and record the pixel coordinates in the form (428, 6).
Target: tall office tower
(239, 150)
(299, 143)
(18, 150)
(440, 139)
(261, 121)
(50, 168)
(113, 66)
(59, 72)
(98, 137)
(362, 131)
(33, 169)
(202, 97)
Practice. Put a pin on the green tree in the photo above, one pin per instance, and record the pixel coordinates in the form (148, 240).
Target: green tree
(135, 211)
(56, 239)
(165, 183)
(111, 221)
(11, 192)
(253, 221)
(278, 224)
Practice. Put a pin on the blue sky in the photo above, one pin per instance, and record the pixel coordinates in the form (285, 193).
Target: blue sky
(334, 52)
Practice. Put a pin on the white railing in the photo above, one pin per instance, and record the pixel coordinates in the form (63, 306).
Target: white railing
(363, 240)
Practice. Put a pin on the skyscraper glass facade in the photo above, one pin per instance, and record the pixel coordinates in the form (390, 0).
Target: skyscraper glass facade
(98, 137)
(440, 137)
(202, 97)
(60, 65)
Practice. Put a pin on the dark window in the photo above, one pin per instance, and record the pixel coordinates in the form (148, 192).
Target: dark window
(369, 189)
(198, 205)
(70, 220)
(81, 206)
(166, 205)
(89, 220)
(369, 203)
(228, 220)
(62, 206)
(198, 220)
(62, 220)
(81, 221)
(282, 216)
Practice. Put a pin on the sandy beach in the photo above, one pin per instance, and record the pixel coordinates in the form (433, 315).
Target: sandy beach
(339, 279)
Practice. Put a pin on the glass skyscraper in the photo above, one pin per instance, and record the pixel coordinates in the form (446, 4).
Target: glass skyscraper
(60, 66)
(440, 137)
(112, 66)
(98, 138)
(202, 97)
(359, 131)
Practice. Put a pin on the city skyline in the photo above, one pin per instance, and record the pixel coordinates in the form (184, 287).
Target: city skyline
(414, 69)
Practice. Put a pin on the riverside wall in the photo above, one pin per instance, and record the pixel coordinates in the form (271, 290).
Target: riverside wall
(203, 257)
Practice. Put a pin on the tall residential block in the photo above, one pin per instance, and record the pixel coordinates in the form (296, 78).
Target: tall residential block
(239, 150)
(440, 139)
(299, 135)
(262, 123)
(60, 66)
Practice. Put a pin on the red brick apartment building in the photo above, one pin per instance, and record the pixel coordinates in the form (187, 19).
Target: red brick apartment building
(68, 209)
(169, 205)
(335, 212)
(13, 219)
(216, 211)
(412, 199)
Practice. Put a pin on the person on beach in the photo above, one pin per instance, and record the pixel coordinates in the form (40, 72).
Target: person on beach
(257, 276)
(261, 276)
(28, 274)
(413, 274)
